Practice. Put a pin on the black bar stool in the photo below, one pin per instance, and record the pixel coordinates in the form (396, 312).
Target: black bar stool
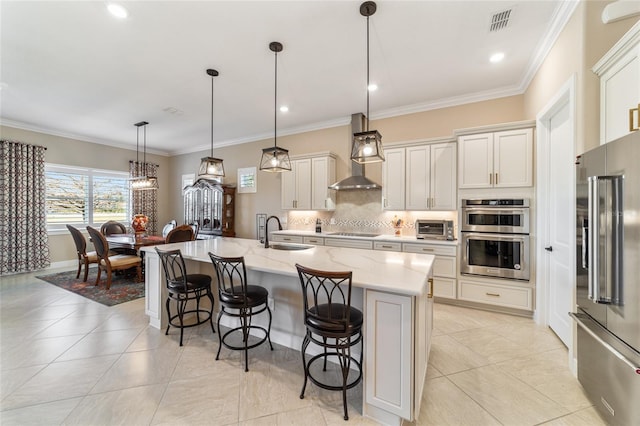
(332, 323)
(239, 300)
(182, 288)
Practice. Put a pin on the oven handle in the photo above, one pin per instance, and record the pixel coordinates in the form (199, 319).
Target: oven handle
(497, 237)
(495, 209)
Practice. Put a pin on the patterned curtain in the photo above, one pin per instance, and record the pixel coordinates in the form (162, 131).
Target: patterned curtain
(145, 202)
(24, 244)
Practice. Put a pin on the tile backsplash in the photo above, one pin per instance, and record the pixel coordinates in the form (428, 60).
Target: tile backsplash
(361, 211)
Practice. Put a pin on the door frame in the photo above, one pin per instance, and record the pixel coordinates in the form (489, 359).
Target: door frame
(565, 95)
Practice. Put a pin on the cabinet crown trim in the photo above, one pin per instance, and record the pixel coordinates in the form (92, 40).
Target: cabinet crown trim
(313, 155)
(496, 128)
(621, 48)
(417, 142)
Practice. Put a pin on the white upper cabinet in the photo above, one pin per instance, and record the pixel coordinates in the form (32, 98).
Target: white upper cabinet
(420, 177)
(619, 72)
(393, 179)
(323, 174)
(496, 160)
(306, 186)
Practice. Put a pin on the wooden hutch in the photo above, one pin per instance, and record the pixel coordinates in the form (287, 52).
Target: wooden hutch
(211, 205)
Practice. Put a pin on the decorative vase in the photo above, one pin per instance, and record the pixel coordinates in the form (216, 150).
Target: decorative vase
(139, 224)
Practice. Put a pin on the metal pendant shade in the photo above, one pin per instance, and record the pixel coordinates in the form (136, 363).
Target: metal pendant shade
(367, 145)
(275, 159)
(144, 182)
(211, 168)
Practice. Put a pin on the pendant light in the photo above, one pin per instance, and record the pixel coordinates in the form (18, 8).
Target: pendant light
(210, 167)
(367, 145)
(275, 159)
(144, 182)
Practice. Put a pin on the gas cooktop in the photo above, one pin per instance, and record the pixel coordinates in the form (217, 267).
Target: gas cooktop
(353, 234)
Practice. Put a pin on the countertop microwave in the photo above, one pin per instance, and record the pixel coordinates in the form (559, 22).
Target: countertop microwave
(434, 229)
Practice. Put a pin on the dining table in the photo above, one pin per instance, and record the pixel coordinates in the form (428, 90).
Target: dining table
(132, 241)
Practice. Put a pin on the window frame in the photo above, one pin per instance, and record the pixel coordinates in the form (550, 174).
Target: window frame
(90, 173)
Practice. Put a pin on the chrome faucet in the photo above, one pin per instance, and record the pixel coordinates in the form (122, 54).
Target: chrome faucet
(266, 229)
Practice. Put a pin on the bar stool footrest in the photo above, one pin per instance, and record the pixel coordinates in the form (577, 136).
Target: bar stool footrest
(174, 321)
(253, 345)
(331, 387)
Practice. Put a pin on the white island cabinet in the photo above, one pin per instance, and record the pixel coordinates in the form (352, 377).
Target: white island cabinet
(394, 290)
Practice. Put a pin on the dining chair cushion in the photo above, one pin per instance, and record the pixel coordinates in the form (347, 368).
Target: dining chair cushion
(92, 256)
(256, 295)
(122, 260)
(320, 318)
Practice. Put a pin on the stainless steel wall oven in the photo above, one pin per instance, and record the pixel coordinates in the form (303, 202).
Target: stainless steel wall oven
(495, 238)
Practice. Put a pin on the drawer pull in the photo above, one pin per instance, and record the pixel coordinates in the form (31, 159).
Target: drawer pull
(427, 249)
(493, 294)
(430, 295)
(286, 239)
(386, 246)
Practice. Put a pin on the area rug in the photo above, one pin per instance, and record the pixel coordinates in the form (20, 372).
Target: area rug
(123, 287)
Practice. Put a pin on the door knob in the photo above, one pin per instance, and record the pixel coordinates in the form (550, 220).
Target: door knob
(550, 248)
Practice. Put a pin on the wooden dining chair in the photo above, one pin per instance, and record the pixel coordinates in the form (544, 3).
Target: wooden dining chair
(180, 234)
(84, 258)
(113, 227)
(108, 263)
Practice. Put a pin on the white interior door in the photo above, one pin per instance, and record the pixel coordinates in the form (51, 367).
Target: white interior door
(557, 216)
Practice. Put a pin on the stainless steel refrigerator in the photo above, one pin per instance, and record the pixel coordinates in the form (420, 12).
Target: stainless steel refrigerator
(608, 278)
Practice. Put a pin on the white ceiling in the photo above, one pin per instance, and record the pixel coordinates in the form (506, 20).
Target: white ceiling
(70, 68)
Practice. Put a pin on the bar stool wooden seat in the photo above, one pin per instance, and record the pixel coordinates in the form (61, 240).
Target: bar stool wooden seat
(183, 288)
(331, 323)
(240, 300)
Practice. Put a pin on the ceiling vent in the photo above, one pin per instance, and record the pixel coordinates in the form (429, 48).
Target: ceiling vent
(500, 20)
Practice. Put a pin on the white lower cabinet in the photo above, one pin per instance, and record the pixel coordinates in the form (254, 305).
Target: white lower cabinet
(286, 238)
(444, 267)
(508, 296)
(349, 243)
(396, 362)
(318, 241)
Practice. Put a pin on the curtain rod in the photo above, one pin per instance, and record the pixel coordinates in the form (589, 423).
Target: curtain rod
(24, 143)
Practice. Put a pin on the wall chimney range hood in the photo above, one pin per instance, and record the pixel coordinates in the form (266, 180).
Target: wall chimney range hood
(357, 180)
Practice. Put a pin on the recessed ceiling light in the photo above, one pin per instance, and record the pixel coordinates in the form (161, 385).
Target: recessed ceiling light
(496, 57)
(284, 108)
(117, 10)
(372, 87)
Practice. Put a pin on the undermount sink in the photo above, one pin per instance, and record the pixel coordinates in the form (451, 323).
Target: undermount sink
(289, 246)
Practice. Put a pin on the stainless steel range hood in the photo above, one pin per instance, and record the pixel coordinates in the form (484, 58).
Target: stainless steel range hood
(357, 180)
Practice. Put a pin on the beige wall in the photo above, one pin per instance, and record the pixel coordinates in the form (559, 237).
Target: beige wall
(423, 125)
(74, 152)
(583, 41)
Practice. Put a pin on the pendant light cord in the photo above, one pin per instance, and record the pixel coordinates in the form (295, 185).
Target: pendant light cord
(211, 116)
(275, 104)
(367, 128)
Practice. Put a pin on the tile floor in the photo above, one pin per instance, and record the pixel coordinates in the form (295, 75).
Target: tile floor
(67, 360)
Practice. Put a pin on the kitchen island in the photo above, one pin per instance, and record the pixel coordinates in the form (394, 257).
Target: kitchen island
(393, 289)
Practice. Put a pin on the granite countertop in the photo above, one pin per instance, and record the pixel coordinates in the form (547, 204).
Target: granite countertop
(389, 238)
(396, 272)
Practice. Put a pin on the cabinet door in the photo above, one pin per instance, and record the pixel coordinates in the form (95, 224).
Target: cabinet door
(393, 179)
(323, 174)
(288, 188)
(443, 177)
(417, 177)
(513, 158)
(475, 161)
(303, 184)
(619, 92)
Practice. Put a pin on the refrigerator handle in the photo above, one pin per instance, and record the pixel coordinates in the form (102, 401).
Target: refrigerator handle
(594, 223)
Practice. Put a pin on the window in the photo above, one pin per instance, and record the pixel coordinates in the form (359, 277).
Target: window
(82, 196)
